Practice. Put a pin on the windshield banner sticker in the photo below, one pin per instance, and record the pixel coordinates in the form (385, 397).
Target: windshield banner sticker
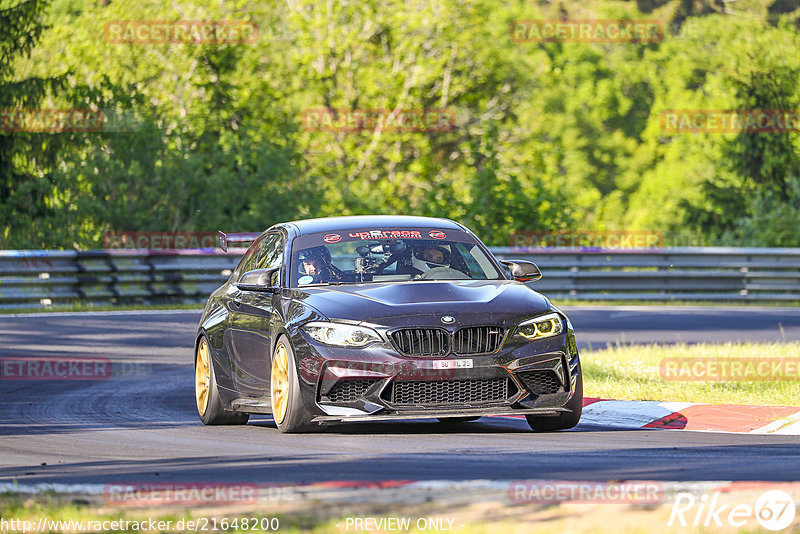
(386, 234)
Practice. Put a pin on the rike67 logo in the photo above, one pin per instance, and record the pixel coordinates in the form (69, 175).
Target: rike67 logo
(774, 510)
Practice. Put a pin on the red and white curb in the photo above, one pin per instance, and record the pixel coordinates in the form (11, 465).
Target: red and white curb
(781, 420)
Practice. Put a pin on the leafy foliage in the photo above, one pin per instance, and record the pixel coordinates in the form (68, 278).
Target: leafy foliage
(25, 158)
(548, 136)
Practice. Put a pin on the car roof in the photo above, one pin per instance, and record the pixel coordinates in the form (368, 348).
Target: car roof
(356, 222)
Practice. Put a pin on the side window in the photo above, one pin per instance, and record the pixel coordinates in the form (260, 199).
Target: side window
(249, 259)
(475, 270)
(271, 254)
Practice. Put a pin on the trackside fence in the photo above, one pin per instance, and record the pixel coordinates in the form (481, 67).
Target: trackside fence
(44, 278)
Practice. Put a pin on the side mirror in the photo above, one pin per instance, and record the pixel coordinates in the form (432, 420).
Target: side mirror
(259, 280)
(523, 271)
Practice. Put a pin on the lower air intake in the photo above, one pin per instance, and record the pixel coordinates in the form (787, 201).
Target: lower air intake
(438, 392)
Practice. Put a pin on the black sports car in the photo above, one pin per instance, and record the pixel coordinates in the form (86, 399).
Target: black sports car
(379, 317)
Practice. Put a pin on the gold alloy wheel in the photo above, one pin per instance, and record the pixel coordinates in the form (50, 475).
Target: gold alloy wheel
(279, 381)
(202, 376)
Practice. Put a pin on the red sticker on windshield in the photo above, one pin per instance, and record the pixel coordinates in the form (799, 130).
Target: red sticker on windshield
(386, 234)
(332, 238)
(437, 234)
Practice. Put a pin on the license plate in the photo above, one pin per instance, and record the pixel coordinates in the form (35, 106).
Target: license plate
(452, 364)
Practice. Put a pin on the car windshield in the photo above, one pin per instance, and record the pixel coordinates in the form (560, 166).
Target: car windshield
(388, 255)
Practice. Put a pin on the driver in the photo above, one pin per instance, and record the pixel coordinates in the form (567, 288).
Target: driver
(428, 257)
(314, 266)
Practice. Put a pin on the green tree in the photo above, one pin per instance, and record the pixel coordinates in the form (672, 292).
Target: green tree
(548, 136)
(26, 158)
(759, 170)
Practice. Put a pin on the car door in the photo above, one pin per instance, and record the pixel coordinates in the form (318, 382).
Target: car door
(252, 321)
(231, 300)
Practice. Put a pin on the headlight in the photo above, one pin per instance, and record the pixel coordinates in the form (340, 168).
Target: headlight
(341, 335)
(545, 326)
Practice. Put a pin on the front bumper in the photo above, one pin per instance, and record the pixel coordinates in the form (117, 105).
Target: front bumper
(378, 383)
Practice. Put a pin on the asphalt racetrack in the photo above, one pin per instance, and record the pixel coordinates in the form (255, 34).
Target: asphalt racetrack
(140, 424)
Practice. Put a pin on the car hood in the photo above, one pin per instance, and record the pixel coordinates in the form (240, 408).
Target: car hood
(424, 303)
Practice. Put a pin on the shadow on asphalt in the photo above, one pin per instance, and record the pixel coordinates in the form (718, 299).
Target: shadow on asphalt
(530, 460)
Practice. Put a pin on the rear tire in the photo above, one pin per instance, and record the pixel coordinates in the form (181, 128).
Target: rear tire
(288, 411)
(564, 420)
(209, 404)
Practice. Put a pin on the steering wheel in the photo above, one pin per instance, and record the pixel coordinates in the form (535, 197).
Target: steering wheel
(443, 273)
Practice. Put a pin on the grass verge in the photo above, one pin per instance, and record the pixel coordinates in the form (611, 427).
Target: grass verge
(486, 514)
(634, 372)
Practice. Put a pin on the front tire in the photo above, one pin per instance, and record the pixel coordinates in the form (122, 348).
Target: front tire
(209, 405)
(564, 420)
(287, 406)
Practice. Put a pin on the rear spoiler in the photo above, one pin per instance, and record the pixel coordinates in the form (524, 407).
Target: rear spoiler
(239, 238)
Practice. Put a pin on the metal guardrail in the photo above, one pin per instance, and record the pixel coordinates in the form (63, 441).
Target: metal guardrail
(36, 278)
(43, 278)
(693, 273)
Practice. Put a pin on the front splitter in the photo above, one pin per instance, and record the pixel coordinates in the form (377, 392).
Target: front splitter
(435, 414)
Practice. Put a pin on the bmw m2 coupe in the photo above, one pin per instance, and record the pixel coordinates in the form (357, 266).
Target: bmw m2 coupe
(371, 318)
